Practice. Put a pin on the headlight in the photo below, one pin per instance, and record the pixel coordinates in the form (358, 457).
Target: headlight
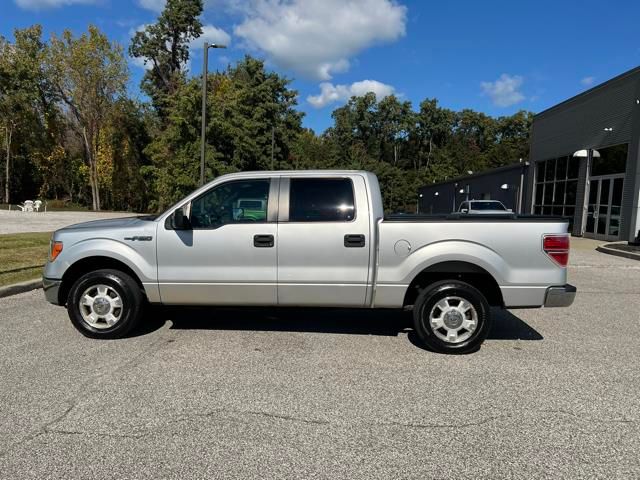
(56, 248)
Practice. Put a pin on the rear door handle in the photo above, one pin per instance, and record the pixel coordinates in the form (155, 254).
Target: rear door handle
(263, 241)
(354, 240)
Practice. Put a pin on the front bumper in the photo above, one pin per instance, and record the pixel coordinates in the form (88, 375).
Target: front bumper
(51, 289)
(560, 296)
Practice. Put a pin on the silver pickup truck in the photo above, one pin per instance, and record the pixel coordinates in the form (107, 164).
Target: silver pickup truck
(312, 239)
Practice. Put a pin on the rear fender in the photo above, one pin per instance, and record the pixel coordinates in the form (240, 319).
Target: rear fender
(448, 251)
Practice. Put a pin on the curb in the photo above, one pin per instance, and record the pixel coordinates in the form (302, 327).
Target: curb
(21, 287)
(618, 253)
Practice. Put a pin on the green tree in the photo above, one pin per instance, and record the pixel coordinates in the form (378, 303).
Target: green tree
(434, 129)
(89, 74)
(165, 45)
(246, 105)
(512, 139)
(27, 113)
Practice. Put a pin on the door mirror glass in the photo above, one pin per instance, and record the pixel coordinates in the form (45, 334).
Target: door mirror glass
(179, 221)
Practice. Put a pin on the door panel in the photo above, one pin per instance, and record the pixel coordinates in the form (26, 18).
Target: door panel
(229, 258)
(323, 262)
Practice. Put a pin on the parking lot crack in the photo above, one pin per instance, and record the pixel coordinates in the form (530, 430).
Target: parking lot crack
(442, 425)
(42, 430)
(503, 417)
(276, 416)
(97, 434)
(588, 418)
(289, 418)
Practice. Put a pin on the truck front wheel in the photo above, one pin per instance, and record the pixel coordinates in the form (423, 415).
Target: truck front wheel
(105, 304)
(451, 316)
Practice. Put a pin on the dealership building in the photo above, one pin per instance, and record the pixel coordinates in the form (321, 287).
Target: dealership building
(584, 164)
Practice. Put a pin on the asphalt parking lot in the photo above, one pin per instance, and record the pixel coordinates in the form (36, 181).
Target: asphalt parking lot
(328, 394)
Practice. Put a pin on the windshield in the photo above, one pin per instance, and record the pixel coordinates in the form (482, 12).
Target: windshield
(487, 206)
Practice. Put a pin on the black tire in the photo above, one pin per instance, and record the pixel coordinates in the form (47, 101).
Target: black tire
(128, 290)
(426, 303)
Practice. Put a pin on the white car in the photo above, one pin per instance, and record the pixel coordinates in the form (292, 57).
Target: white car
(484, 207)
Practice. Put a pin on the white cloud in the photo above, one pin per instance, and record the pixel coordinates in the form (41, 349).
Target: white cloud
(588, 81)
(42, 4)
(330, 93)
(153, 5)
(505, 91)
(139, 28)
(125, 22)
(211, 34)
(316, 38)
(140, 63)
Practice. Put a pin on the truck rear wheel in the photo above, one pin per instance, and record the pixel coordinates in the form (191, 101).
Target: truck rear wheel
(105, 304)
(452, 316)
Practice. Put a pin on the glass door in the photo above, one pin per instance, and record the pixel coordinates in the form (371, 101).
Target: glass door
(613, 223)
(603, 209)
(594, 188)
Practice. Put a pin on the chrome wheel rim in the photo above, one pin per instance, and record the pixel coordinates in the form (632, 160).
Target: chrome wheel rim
(453, 319)
(101, 306)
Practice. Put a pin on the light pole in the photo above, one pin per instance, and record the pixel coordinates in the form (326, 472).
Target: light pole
(418, 203)
(205, 68)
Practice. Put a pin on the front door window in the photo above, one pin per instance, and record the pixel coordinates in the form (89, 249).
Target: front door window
(243, 201)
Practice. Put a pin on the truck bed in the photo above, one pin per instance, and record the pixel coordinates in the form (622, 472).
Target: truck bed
(514, 257)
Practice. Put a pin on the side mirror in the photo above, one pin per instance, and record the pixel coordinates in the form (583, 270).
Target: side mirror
(179, 221)
(465, 210)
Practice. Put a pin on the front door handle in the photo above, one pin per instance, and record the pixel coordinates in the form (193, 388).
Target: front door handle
(263, 241)
(354, 240)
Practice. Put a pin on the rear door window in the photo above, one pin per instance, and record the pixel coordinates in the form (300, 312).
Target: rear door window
(321, 200)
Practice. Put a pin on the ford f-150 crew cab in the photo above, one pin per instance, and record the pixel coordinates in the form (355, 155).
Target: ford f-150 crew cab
(309, 238)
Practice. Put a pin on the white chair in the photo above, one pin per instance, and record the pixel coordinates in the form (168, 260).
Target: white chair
(27, 206)
(36, 205)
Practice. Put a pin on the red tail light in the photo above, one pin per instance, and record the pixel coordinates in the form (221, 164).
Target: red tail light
(557, 247)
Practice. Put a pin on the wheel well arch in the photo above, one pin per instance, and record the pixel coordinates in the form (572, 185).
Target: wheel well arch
(467, 272)
(89, 264)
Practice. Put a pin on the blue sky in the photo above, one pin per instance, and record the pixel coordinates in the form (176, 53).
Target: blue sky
(493, 56)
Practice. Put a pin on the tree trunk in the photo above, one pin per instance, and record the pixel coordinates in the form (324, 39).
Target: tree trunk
(95, 179)
(93, 172)
(426, 167)
(8, 135)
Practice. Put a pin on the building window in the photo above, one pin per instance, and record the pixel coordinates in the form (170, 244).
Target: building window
(556, 186)
(609, 160)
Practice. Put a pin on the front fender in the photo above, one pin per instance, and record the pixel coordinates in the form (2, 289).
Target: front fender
(140, 259)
